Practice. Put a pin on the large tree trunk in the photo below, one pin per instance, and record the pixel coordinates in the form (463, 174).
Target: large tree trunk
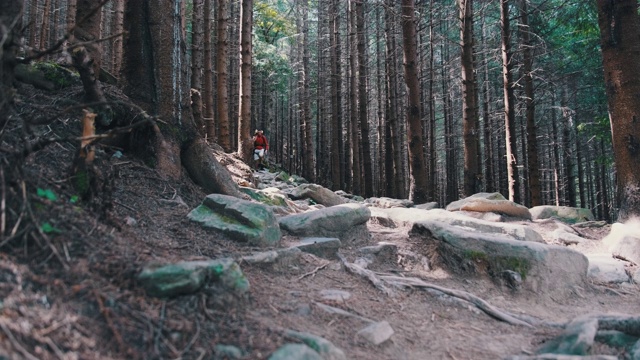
(10, 27)
(222, 112)
(392, 153)
(417, 168)
(244, 112)
(207, 93)
(472, 174)
(362, 94)
(509, 104)
(619, 32)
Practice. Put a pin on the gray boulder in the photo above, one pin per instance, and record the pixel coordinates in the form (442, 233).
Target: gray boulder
(187, 277)
(543, 268)
(624, 239)
(241, 220)
(490, 202)
(566, 214)
(322, 346)
(323, 247)
(295, 352)
(603, 268)
(346, 222)
(317, 193)
(408, 217)
(427, 206)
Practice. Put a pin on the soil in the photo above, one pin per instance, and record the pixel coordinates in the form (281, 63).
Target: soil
(68, 272)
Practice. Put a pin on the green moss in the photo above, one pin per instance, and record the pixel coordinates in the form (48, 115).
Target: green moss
(60, 76)
(475, 255)
(519, 265)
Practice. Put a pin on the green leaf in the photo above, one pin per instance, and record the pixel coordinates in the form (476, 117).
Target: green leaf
(47, 194)
(47, 228)
(74, 199)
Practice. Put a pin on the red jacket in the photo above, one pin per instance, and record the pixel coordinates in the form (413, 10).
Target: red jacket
(260, 142)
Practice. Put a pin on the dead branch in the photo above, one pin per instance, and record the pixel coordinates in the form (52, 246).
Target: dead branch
(478, 302)
(105, 313)
(335, 310)
(314, 271)
(3, 204)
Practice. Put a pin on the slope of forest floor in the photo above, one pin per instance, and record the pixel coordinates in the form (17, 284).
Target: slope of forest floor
(68, 273)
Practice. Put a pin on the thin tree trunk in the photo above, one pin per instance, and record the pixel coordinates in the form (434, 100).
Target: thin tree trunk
(392, 157)
(44, 26)
(355, 131)
(244, 112)
(431, 191)
(336, 112)
(362, 92)
(509, 104)
(532, 141)
(196, 63)
(472, 174)
(222, 109)
(117, 42)
(417, 168)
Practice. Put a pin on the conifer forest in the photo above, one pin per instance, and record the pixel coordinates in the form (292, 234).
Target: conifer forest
(424, 99)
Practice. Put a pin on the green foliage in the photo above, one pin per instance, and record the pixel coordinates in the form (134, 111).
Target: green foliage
(272, 20)
(47, 228)
(47, 194)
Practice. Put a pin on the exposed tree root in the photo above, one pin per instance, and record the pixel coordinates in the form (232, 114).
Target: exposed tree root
(379, 283)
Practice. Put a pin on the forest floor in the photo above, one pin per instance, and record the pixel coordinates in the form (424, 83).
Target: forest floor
(68, 274)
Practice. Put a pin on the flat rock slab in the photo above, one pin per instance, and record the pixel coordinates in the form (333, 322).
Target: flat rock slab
(624, 240)
(345, 222)
(543, 268)
(241, 220)
(490, 202)
(604, 268)
(188, 277)
(323, 247)
(408, 217)
(317, 193)
(570, 215)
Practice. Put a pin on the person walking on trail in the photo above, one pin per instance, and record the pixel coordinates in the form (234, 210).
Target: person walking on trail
(260, 148)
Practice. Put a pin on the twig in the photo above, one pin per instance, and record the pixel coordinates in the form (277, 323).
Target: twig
(314, 271)
(478, 302)
(105, 312)
(16, 344)
(3, 204)
(193, 339)
(125, 206)
(55, 348)
(335, 310)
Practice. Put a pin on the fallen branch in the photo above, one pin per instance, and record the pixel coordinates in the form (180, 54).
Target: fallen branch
(105, 312)
(314, 271)
(368, 274)
(478, 302)
(335, 310)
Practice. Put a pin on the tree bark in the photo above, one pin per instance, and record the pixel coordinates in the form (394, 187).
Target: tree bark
(207, 93)
(619, 32)
(337, 150)
(10, 29)
(356, 168)
(509, 103)
(532, 137)
(472, 173)
(362, 95)
(417, 168)
(244, 106)
(305, 117)
(222, 112)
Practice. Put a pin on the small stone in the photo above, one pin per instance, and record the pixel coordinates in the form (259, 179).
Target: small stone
(130, 221)
(295, 352)
(377, 333)
(227, 352)
(335, 295)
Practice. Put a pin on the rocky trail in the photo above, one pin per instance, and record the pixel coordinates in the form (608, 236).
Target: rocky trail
(296, 271)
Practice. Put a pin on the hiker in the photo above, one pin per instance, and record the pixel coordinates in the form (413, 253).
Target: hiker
(260, 148)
